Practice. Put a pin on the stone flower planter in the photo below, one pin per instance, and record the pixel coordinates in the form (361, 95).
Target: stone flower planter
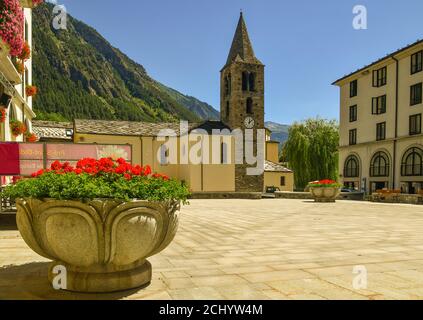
(103, 244)
(325, 194)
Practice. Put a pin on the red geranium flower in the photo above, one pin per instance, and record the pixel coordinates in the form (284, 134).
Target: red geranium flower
(3, 114)
(102, 167)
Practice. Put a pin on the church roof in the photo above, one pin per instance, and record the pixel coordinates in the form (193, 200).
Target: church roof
(146, 129)
(242, 49)
(275, 167)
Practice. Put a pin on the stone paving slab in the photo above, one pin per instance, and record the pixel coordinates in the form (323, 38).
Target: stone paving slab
(259, 249)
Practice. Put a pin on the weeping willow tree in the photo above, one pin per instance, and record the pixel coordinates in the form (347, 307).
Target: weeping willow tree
(312, 151)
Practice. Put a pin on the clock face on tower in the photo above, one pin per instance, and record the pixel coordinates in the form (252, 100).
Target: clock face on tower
(249, 123)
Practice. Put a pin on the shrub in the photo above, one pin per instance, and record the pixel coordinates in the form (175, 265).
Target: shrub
(99, 179)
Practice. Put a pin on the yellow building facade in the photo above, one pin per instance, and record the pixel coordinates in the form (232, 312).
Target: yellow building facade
(242, 108)
(146, 150)
(381, 142)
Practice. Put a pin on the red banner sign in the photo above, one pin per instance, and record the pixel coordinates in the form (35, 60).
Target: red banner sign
(37, 156)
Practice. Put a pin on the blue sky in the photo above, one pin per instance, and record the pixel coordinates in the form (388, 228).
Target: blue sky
(305, 44)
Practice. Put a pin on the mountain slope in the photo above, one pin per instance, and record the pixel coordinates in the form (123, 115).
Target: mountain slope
(80, 75)
(279, 131)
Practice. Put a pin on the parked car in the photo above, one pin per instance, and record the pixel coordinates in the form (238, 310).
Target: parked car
(272, 189)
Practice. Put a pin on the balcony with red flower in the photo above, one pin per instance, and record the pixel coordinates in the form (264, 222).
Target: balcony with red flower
(11, 38)
(31, 91)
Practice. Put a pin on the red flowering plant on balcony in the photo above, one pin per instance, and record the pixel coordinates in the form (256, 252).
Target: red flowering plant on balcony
(11, 25)
(26, 52)
(99, 179)
(17, 127)
(31, 137)
(31, 91)
(326, 183)
(3, 115)
(19, 65)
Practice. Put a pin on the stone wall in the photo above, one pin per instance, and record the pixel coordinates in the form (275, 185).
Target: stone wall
(307, 195)
(246, 183)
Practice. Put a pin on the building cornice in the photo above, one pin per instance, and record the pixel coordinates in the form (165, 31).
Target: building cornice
(408, 137)
(395, 55)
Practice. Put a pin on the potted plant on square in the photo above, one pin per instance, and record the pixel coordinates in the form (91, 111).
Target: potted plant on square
(100, 220)
(324, 190)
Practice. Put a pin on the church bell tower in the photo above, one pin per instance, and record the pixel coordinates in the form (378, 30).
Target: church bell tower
(242, 98)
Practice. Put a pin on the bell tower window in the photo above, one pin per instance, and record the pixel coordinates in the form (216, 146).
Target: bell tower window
(227, 110)
(252, 82)
(249, 106)
(244, 81)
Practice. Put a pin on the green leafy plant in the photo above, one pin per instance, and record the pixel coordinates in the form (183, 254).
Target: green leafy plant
(99, 179)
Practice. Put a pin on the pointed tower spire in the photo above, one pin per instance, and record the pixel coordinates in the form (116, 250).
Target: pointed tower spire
(241, 48)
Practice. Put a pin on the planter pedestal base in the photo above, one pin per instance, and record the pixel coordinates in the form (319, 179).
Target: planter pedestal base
(325, 194)
(99, 282)
(325, 200)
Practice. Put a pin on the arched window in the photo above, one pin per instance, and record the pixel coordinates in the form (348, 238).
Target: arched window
(352, 167)
(412, 162)
(379, 166)
(252, 82)
(249, 108)
(228, 110)
(244, 81)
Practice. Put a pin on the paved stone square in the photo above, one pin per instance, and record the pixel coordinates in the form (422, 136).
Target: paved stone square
(259, 249)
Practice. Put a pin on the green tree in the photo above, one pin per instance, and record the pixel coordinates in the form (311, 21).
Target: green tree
(312, 150)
